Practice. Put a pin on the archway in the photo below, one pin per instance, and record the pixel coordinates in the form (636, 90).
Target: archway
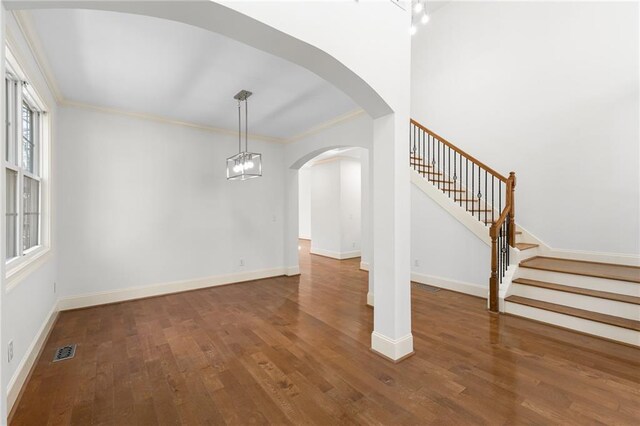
(376, 78)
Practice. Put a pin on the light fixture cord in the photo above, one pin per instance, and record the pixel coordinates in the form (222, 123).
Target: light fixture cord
(246, 125)
(239, 129)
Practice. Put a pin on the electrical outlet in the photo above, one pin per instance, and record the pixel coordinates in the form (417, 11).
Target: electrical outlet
(241, 262)
(416, 262)
(10, 351)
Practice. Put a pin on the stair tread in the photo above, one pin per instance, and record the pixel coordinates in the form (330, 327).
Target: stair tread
(579, 290)
(525, 246)
(575, 312)
(466, 200)
(579, 267)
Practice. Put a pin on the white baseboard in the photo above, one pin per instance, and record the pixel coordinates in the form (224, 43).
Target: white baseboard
(132, 293)
(364, 266)
(335, 254)
(370, 299)
(22, 372)
(292, 271)
(449, 284)
(390, 348)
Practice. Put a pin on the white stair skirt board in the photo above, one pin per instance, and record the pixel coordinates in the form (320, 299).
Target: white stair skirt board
(448, 284)
(588, 303)
(505, 289)
(370, 299)
(364, 266)
(592, 283)
(607, 331)
(93, 299)
(451, 207)
(390, 348)
(26, 363)
(335, 254)
(292, 271)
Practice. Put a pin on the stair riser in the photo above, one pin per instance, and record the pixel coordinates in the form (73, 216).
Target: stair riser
(592, 283)
(593, 304)
(526, 254)
(619, 334)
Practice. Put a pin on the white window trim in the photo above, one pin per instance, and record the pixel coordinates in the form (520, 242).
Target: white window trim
(18, 268)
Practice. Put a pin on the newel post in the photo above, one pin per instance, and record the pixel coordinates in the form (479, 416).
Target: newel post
(493, 281)
(512, 213)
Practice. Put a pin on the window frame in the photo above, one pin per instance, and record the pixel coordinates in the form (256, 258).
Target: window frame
(23, 93)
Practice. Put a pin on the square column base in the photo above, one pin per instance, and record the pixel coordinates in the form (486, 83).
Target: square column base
(393, 350)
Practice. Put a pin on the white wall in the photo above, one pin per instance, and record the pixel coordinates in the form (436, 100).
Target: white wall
(26, 308)
(335, 203)
(549, 90)
(304, 203)
(350, 206)
(325, 204)
(443, 249)
(143, 202)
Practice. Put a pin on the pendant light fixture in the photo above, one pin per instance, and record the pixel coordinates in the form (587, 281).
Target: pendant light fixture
(244, 165)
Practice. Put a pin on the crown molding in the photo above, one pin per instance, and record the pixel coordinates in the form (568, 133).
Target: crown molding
(327, 124)
(166, 120)
(25, 24)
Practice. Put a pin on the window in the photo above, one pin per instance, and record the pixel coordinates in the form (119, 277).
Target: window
(24, 169)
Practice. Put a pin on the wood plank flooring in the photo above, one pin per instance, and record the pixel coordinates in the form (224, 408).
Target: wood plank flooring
(296, 351)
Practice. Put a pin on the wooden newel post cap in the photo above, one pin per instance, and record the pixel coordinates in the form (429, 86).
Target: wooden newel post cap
(513, 176)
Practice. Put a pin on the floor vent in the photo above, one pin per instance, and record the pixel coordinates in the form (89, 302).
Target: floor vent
(65, 352)
(426, 287)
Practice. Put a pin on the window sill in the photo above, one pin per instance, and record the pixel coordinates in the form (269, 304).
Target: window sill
(20, 269)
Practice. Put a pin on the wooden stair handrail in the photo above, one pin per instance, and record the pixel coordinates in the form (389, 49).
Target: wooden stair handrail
(459, 151)
(503, 230)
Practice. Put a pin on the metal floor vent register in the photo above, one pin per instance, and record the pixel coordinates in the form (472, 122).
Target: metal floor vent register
(65, 352)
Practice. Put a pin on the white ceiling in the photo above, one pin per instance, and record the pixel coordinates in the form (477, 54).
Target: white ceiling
(154, 66)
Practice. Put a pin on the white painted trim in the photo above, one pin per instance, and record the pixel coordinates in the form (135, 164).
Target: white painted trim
(166, 120)
(22, 372)
(619, 334)
(392, 348)
(292, 271)
(326, 125)
(370, 298)
(132, 293)
(364, 266)
(17, 274)
(592, 256)
(335, 254)
(454, 285)
(25, 23)
(460, 214)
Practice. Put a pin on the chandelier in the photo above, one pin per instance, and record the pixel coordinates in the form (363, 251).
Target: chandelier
(244, 165)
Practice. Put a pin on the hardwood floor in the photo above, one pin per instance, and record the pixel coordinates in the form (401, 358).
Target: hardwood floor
(296, 351)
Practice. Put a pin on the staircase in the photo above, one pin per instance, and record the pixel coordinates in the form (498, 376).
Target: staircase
(601, 299)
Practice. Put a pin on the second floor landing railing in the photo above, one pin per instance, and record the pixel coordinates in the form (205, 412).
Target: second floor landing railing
(486, 194)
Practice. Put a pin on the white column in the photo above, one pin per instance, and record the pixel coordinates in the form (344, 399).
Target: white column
(391, 335)
(291, 262)
(366, 259)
